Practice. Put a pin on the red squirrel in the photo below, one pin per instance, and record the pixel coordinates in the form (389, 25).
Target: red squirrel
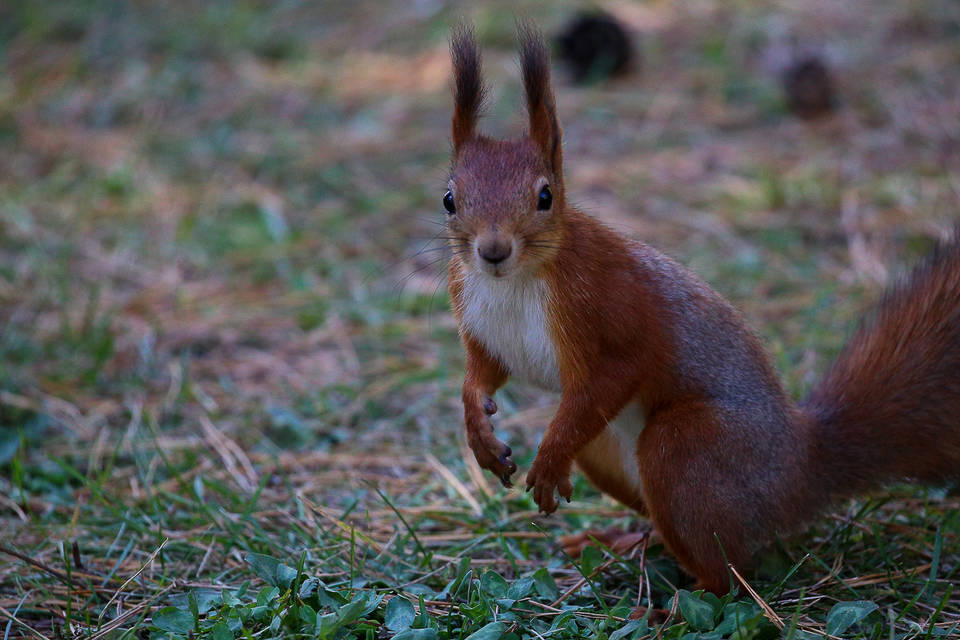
(668, 401)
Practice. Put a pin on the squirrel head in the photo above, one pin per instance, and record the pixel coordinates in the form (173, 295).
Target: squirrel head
(505, 198)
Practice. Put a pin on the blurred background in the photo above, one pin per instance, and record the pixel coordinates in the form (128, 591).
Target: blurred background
(217, 265)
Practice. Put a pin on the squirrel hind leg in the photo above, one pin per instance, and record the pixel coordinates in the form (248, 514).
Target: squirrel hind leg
(710, 510)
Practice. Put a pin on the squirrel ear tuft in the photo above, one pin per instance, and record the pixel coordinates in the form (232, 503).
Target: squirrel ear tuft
(468, 89)
(535, 65)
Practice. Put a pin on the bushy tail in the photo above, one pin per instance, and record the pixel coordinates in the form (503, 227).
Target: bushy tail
(889, 408)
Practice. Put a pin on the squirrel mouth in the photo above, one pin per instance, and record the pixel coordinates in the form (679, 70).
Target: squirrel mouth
(497, 271)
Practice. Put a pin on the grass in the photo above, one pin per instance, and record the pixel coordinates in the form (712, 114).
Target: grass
(229, 381)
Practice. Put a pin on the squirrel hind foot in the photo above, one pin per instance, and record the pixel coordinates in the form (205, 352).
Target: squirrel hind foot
(652, 614)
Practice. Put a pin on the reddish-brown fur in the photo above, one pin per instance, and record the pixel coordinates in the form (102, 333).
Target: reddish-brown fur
(727, 461)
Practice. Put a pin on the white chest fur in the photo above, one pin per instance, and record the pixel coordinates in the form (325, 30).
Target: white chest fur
(508, 316)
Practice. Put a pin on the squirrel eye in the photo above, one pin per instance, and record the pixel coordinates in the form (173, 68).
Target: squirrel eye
(448, 203)
(545, 199)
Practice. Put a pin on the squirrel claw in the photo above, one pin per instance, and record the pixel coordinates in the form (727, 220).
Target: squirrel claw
(491, 454)
(510, 465)
(546, 483)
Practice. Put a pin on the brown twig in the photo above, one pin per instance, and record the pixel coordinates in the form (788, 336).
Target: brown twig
(43, 567)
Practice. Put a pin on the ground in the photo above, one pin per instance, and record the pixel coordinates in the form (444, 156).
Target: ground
(229, 378)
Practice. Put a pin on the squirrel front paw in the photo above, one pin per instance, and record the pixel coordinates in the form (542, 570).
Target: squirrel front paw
(495, 456)
(491, 454)
(546, 480)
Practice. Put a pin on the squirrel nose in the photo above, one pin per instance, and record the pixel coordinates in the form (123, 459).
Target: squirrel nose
(495, 251)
